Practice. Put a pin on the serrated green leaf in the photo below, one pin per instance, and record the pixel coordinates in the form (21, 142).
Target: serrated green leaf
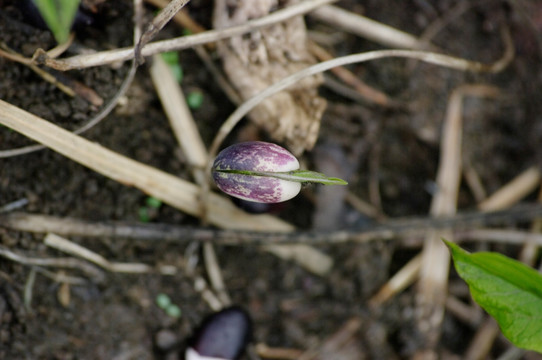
(508, 290)
(59, 16)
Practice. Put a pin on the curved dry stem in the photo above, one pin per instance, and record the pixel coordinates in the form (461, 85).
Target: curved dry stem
(425, 56)
(90, 124)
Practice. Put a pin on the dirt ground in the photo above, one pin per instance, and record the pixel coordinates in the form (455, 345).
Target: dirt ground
(396, 148)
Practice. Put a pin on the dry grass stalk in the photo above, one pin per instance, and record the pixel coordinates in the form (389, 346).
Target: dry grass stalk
(69, 247)
(400, 228)
(483, 340)
(159, 21)
(179, 116)
(188, 137)
(432, 288)
(398, 282)
(367, 28)
(180, 17)
(365, 91)
(267, 352)
(524, 184)
(467, 313)
(69, 263)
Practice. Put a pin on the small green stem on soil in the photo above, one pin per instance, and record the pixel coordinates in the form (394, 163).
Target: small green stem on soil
(302, 176)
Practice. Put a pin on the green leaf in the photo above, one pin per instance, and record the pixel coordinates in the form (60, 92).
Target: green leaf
(59, 16)
(508, 290)
(315, 177)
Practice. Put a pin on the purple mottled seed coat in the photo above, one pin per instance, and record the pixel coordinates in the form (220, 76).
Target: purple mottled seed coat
(256, 188)
(256, 156)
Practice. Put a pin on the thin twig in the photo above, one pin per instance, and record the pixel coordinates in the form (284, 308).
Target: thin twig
(62, 244)
(514, 191)
(29, 289)
(367, 92)
(429, 57)
(181, 17)
(17, 204)
(215, 274)
(180, 118)
(483, 340)
(435, 255)
(367, 28)
(61, 277)
(464, 224)
(398, 282)
(184, 42)
(160, 20)
(70, 263)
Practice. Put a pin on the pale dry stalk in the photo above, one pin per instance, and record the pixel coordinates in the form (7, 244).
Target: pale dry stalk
(435, 263)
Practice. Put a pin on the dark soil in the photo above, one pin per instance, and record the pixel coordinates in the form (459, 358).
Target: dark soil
(117, 318)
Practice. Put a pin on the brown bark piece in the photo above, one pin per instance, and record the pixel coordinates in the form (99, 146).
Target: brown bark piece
(259, 59)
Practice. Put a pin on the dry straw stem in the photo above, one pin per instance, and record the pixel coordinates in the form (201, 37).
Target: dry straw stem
(435, 255)
(482, 342)
(398, 282)
(467, 226)
(159, 22)
(69, 263)
(468, 313)
(267, 352)
(184, 42)
(365, 91)
(69, 247)
(181, 17)
(524, 184)
(367, 28)
(179, 115)
(215, 274)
